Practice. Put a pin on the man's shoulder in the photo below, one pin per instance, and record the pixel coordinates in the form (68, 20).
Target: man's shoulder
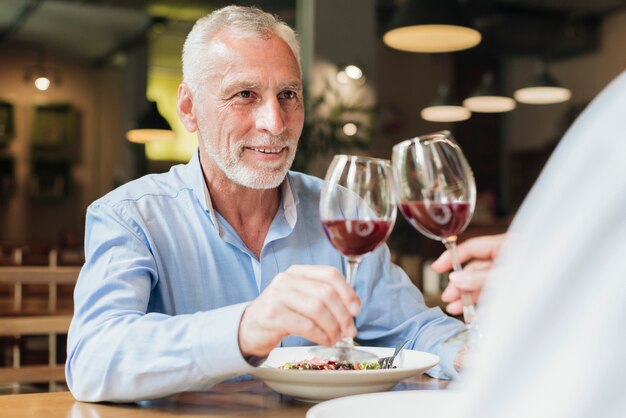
(168, 184)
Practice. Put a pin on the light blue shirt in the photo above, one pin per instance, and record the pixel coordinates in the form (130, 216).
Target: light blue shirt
(166, 280)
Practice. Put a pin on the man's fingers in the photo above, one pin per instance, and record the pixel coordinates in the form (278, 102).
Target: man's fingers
(450, 293)
(320, 302)
(314, 302)
(485, 247)
(296, 324)
(468, 280)
(269, 318)
(334, 278)
(478, 265)
(455, 308)
(293, 323)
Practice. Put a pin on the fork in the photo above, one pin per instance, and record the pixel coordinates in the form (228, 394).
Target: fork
(387, 362)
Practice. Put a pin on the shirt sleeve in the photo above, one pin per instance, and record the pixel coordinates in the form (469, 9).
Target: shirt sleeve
(117, 351)
(394, 310)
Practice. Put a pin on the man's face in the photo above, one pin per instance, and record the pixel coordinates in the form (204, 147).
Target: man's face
(250, 110)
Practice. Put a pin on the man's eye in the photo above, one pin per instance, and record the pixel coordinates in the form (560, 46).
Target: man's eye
(289, 94)
(246, 94)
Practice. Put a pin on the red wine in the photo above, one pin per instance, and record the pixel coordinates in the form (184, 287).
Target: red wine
(437, 220)
(356, 237)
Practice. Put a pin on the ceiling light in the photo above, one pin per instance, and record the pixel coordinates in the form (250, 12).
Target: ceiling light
(486, 98)
(42, 76)
(353, 72)
(151, 126)
(542, 89)
(350, 129)
(431, 26)
(350, 74)
(42, 83)
(445, 108)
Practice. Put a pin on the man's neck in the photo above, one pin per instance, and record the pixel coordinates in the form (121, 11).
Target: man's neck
(249, 211)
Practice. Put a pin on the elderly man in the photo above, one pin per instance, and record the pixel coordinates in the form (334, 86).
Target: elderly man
(193, 276)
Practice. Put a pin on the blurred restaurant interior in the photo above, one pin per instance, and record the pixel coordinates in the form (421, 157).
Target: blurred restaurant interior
(63, 139)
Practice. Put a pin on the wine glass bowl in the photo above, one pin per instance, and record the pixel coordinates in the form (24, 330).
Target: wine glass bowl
(355, 238)
(435, 185)
(357, 211)
(436, 192)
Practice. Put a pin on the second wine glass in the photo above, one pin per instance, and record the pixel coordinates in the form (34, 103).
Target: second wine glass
(437, 194)
(358, 211)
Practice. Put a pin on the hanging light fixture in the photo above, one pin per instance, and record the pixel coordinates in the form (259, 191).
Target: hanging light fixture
(542, 89)
(486, 98)
(445, 108)
(350, 74)
(42, 76)
(431, 26)
(151, 126)
(350, 129)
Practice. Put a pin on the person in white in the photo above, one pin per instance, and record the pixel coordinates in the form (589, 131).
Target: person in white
(553, 311)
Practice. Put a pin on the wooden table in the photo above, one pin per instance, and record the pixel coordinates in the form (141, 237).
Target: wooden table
(237, 399)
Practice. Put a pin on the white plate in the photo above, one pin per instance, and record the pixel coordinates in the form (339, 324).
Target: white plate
(410, 403)
(318, 385)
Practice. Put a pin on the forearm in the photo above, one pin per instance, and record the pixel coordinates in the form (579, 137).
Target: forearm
(134, 357)
(394, 310)
(437, 327)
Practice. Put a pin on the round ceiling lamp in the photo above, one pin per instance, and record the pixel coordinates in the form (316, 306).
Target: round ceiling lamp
(351, 74)
(151, 126)
(43, 76)
(542, 89)
(431, 26)
(42, 83)
(486, 98)
(445, 108)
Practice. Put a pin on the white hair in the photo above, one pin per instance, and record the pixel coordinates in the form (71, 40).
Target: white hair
(244, 21)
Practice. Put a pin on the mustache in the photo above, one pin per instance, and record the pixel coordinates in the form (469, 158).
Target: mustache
(266, 141)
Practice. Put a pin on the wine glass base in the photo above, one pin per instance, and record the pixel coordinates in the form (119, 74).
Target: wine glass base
(339, 353)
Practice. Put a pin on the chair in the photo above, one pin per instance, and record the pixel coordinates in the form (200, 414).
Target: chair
(24, 316)
(18, 276)
(22, 326)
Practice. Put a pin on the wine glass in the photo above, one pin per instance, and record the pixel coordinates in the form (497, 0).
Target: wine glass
(358, 211)
(436, 193)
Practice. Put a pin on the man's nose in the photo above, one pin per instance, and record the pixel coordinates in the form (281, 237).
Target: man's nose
(270, 117)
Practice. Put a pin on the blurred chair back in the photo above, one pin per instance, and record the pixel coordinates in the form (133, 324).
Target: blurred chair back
(14, 278)
(24, 316)
(18, 327)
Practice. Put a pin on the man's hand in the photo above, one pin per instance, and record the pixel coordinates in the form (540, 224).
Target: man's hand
(314, 302)
(480, 252)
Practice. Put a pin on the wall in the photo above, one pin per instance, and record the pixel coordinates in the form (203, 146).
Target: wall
(406, 83)
(95, 93)
(585, 75)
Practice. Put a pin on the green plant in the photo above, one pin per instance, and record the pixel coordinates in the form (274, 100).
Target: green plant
(326, 115)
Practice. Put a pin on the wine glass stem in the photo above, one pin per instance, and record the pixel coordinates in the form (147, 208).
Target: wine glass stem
(469, 310)
(353, 264)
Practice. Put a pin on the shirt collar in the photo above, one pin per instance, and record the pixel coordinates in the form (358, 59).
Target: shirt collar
(199, 186)
(195, 179)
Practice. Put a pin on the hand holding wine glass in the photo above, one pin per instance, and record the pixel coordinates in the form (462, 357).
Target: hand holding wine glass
(357, 210)
(478, 257)
(436, 193)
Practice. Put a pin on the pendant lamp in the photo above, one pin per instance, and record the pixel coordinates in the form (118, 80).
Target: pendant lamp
(151, 126)
(486, 98)
(445, 108)
(431, 26)
(542, 88)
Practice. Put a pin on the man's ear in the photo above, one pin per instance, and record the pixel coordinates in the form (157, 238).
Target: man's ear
(185, 108)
